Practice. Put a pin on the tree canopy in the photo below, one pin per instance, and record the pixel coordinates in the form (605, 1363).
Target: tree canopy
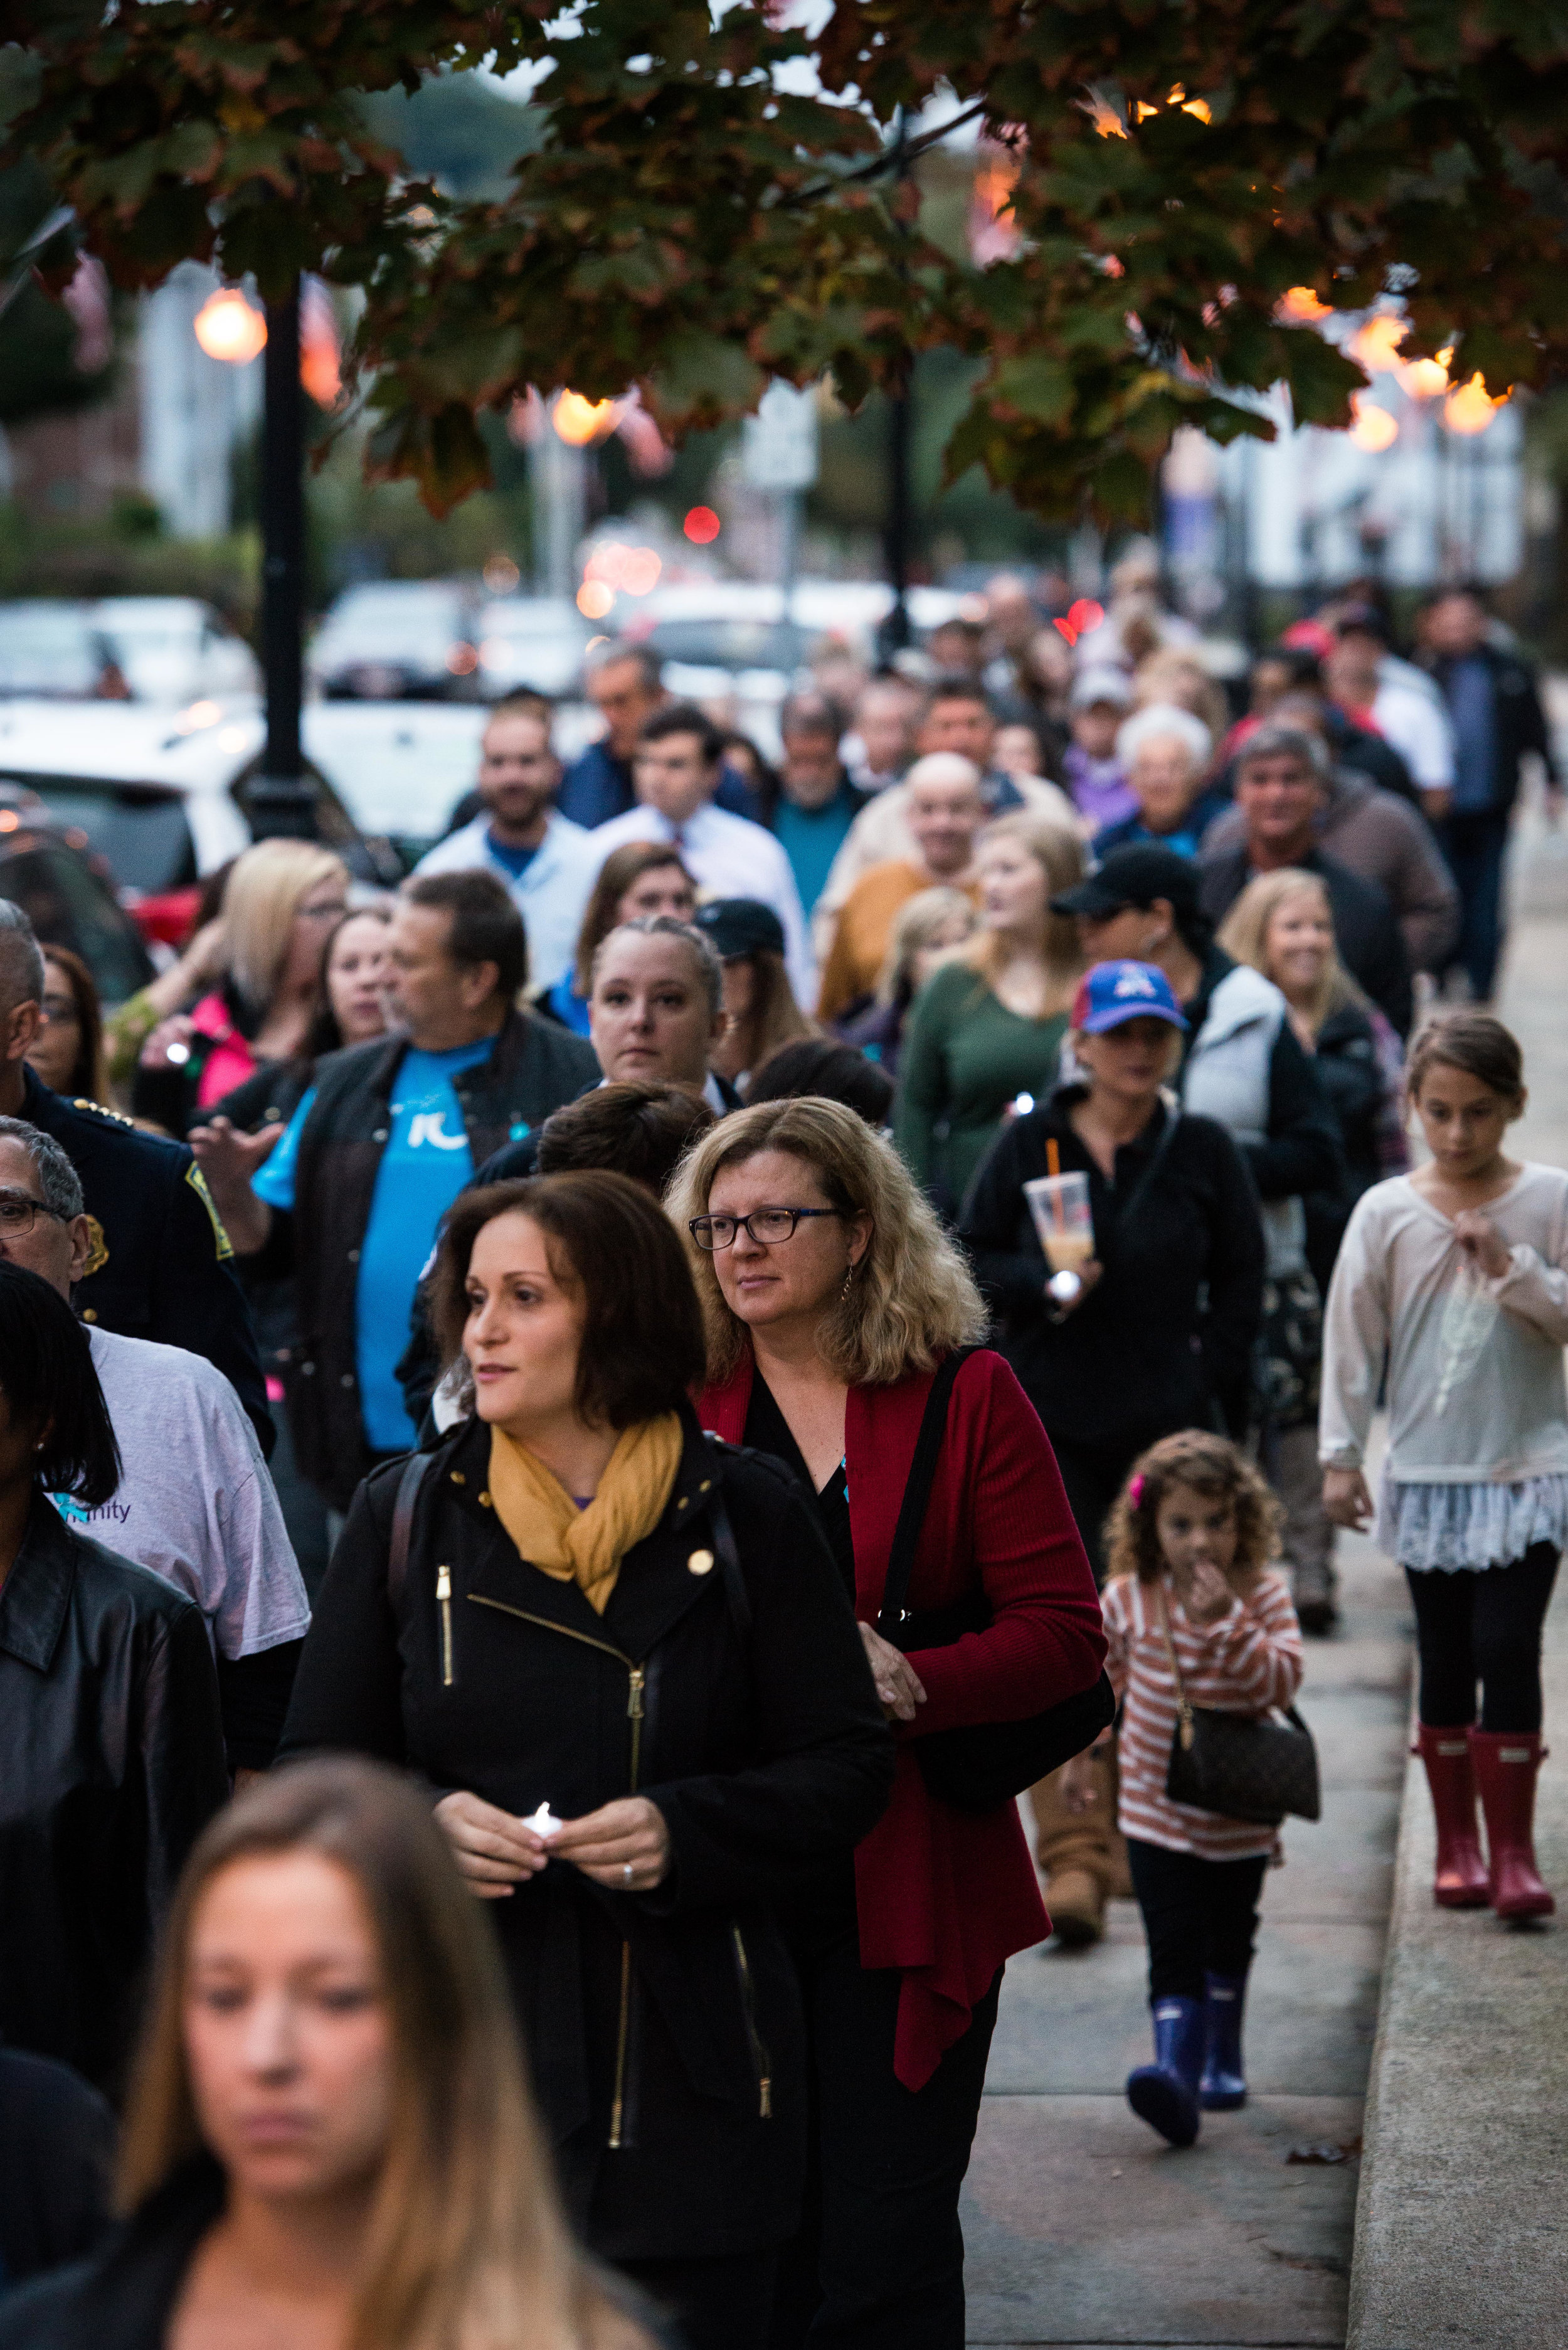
(711, 197)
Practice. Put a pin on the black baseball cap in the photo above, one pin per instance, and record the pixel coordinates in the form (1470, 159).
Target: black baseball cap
(1137, 876)
(740, 926)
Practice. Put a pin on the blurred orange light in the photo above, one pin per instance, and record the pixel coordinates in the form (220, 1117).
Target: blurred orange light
(578, 420)
(1426, 379)
(462, 660)
(1374, 428)
(9, 820)
(702, 525)
(501, 574)
(1105, 118)
(1471, 407)
(227, 328)
(594, 600)
(1300, 306)
(640, 572)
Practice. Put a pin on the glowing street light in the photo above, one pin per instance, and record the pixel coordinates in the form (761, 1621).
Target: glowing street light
(1470, 407)
(227, 327)
(578, 420)
(1374, 428)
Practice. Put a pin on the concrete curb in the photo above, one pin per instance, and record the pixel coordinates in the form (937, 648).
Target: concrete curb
(1461, 2222)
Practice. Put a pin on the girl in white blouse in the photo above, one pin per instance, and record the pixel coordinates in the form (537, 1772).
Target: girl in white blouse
(1191, 1590)
(1457, 1275)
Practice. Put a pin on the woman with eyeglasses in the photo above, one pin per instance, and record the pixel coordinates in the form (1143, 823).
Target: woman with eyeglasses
(68, 1056)
(831, 1297)
(618, 1656)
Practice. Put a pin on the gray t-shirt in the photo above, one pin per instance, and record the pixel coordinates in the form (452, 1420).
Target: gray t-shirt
(195, 1502)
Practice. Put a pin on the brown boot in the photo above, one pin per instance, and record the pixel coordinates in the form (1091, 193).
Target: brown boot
(1077, 1902)
(1076, 1854)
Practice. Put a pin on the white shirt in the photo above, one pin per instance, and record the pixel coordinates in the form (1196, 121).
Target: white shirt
(1475, 1364)
(194, 1503)
(1419, 730)
(550, 894)
(727, 856)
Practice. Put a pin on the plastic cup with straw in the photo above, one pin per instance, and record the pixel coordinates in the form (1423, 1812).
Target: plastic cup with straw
(1060, 1206)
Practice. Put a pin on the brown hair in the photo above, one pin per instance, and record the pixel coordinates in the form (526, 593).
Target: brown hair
(621, 868)
(637, 1129)
(912, 1298)
(1477, 1043)
(89, 1072)
(1059, 852)
(1209, 1465)
(775, 1018)
(466, 2241)
(642, 1330)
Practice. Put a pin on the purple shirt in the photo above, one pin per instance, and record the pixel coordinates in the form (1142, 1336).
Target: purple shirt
(1100, 790)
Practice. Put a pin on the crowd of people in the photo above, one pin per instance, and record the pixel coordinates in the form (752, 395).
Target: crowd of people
(561, 1470)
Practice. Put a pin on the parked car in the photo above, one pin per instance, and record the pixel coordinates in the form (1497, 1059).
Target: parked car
(399, 767)
(531, 641)
(48, 868)
(162, 797)
(172, 649)
(399, 639)
(55, 649)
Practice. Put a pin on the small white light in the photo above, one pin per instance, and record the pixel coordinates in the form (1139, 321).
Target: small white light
(543, 1822)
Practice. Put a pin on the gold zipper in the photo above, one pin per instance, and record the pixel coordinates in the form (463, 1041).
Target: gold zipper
(636, 1683)
(749, 2004)
(443, 1601)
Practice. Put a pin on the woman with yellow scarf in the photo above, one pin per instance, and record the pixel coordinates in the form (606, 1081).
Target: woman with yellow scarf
(621, 1658)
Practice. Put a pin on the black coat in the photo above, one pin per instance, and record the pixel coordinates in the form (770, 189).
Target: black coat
(111, 1763)
(1166, 1334)
(765, 1750)
(1352, 1079)
(162, 1267)
(1365, 925)
(1518, 722)
(57, 2151)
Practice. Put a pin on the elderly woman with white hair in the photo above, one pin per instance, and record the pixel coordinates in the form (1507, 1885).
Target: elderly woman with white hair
(1165, 753)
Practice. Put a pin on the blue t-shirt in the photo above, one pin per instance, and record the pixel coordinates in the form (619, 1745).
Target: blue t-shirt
(424, 1166)
(515, 860)
(812, 838)
(1472, 706)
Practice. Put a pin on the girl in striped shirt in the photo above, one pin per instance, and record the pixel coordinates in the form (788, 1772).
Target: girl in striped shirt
(1189, 1543)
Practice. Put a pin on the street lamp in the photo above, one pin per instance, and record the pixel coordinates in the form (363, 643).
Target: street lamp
(282, 796)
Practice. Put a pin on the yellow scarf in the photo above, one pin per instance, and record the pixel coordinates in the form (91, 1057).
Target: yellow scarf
(587, 1547)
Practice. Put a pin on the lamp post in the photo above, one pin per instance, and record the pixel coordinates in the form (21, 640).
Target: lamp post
(895, 632)
(282, 798)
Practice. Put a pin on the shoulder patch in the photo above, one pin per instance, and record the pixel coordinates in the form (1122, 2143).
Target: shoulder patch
(198, 1182)
(98, 1249)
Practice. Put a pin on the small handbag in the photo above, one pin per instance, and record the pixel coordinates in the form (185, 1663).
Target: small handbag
(1238, 1764)
(985, 1764)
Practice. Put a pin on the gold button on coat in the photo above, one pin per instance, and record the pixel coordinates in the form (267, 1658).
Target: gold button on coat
(699, 1563)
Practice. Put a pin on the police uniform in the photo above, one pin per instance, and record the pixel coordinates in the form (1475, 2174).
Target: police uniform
(160, 1265)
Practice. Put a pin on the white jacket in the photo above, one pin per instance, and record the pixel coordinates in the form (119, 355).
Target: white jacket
(1226, 1077)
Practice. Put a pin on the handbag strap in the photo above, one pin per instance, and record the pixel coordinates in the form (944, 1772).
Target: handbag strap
(736, 1593)
(1140, 1190)
(1183, 1703)
(414, 1471)
(917, 1494)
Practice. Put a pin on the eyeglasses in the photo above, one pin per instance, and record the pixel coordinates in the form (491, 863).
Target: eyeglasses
(19, 1211)
(764, 1227)
(61, 1008)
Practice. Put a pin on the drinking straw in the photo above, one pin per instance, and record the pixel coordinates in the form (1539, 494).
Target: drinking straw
(1054, 1164)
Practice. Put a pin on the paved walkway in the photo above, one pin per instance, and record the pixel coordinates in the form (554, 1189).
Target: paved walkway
(1081, 2228)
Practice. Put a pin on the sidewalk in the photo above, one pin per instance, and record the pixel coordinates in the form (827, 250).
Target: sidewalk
(1083, 2228)
(1462, 2234)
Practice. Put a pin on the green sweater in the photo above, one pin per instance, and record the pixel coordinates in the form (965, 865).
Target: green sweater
(965, 1056)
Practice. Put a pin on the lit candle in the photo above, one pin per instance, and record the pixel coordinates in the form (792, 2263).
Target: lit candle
(543, 1822)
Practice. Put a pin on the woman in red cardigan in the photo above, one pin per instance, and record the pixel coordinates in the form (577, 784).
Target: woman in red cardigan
(831, 1295)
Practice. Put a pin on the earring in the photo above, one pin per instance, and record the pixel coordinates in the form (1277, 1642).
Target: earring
(848, 1282)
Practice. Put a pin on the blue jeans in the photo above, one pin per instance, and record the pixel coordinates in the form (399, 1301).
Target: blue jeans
(1475, 847)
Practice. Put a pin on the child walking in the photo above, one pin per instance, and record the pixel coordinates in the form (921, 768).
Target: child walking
(1189, 1543)
(1458, 1274)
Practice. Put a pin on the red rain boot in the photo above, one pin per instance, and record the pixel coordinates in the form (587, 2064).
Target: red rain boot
(1506, 1762)
(1461, 1879)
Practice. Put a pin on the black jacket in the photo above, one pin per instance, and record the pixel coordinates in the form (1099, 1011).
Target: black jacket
(1166, 1333)
(1519, 724)
(57, 2150)
(1352, 1078)
(534, 1067)
(764, 1747)
(1365, 925)
(111, 1763)
(162, 1267)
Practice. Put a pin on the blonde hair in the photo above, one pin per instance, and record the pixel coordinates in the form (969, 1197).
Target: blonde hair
(1170, 674)
(912, 1297)
(261, 898)
(466, 2245)
(915, 925)
(1209, 1465)
(1059, 852)
(1245, 935)
(775, 1018)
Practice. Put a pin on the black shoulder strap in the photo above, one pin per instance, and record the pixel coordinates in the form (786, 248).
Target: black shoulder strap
(918, 1493)
(409, 1483)
(729, 1558)
(1140, 1191)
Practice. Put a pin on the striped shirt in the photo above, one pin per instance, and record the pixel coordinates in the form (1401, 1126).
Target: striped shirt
(1248, 1663)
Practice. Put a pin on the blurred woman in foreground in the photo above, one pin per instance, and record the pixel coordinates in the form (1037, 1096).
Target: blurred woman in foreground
(329, 2142)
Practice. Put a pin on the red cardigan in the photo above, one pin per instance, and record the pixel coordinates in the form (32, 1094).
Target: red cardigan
(944, 1895)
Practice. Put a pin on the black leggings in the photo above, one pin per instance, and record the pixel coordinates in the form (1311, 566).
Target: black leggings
(1200, 1916)
(1483, 1626)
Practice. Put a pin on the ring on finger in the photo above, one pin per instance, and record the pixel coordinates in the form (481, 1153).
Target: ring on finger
(626, 1872)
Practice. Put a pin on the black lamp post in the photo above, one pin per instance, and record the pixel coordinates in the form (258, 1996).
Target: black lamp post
(896, 531)
(282, 798)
